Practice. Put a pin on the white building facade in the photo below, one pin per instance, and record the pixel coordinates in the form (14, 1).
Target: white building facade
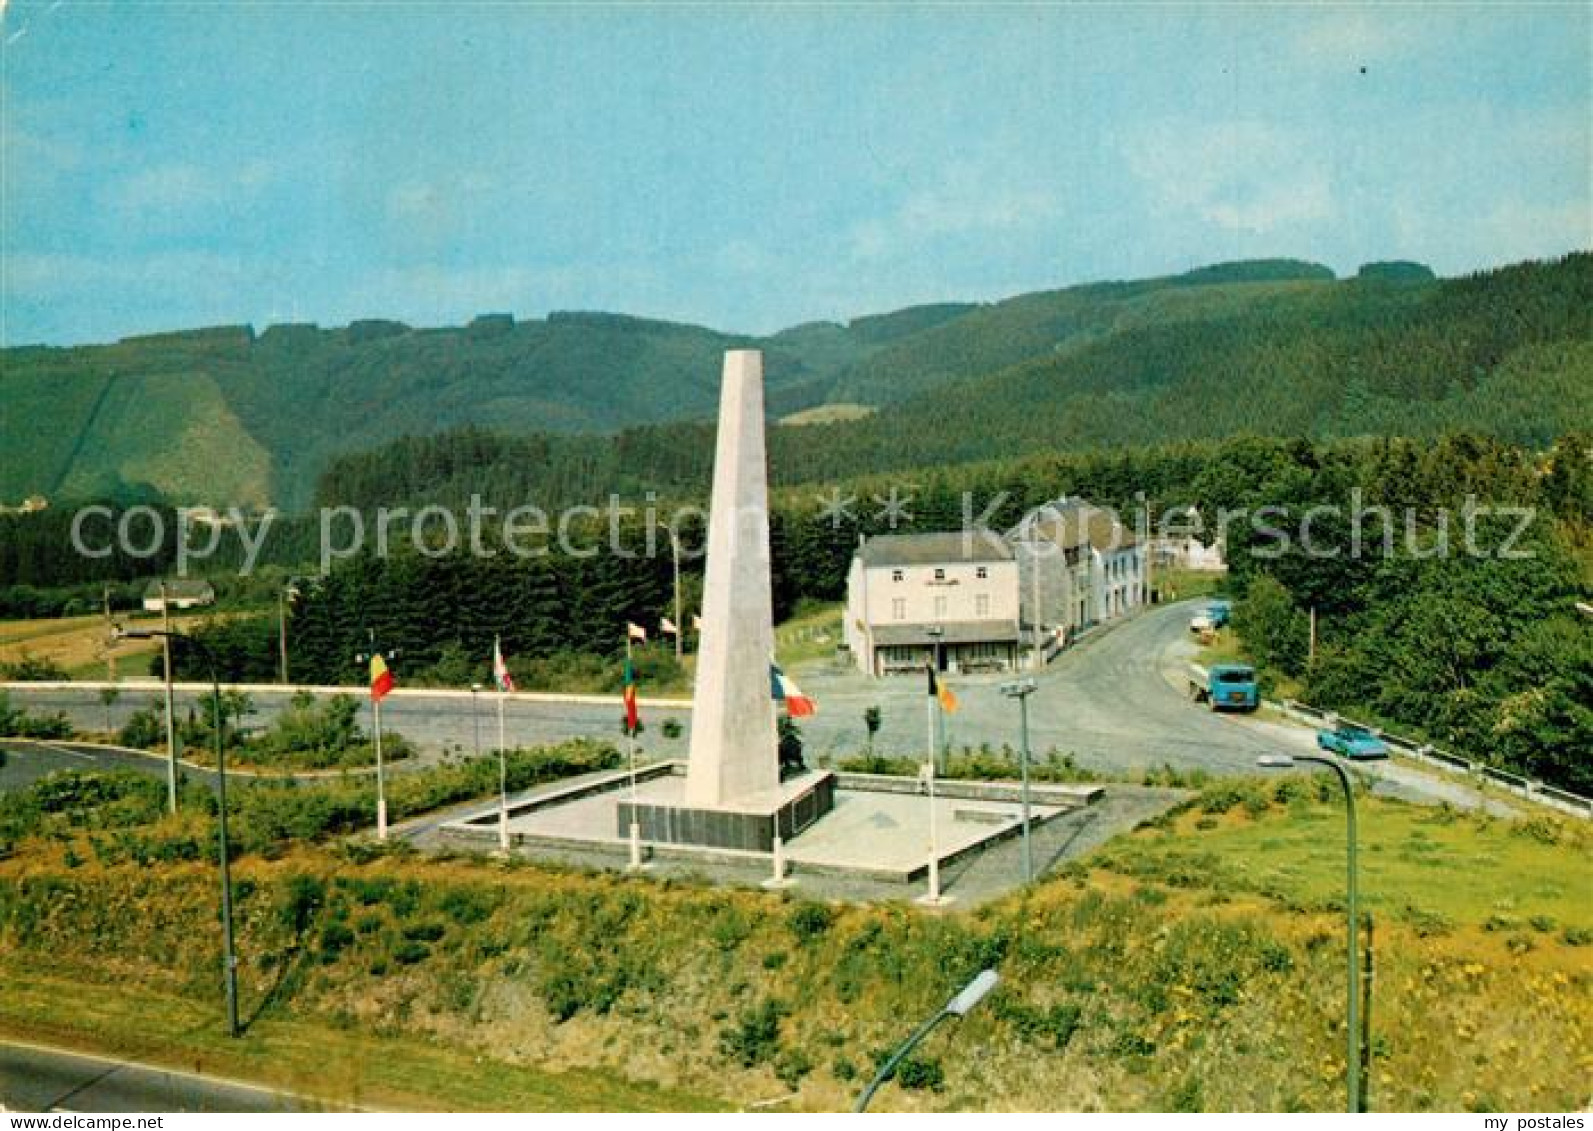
(1078, 566)
(949, 599)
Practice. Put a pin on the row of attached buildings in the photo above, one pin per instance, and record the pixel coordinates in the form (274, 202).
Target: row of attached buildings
(971, 601)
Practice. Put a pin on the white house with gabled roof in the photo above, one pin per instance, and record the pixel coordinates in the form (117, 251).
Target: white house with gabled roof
(950, 599)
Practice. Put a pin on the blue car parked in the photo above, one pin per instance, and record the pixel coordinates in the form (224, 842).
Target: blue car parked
(1350, 741)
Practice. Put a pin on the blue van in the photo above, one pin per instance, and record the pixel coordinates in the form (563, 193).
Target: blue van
(1227, 687)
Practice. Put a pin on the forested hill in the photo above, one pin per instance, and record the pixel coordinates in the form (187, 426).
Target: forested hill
(1509, 354)
(229, 416)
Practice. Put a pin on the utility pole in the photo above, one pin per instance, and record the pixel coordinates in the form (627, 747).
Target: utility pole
(1311, 652)
(110, 635)
(171, 703)
(218, 722)
(1147, 549)
(1034, 590)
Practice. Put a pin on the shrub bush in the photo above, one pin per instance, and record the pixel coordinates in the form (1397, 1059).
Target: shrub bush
(809, 921)
(410, 951)
(916, 1073)
(755, 1037)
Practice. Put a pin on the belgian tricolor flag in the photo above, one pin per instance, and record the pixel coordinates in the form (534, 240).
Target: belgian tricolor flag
(632, 719)
(938, 690)
(381, 679)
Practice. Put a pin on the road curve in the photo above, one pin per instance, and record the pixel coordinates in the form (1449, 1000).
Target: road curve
(35, 1078)
(1116, 702)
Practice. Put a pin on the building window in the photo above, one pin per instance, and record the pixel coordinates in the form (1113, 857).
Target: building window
(982, 604)
(981, 572)
(940, 606)
(896, 575)
(940, 575)
(898, 608)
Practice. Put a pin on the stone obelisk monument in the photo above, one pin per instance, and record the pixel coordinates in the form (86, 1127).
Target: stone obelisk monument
(734, 748)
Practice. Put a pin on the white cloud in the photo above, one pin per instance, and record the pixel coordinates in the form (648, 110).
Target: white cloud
(1346, 36)
(52, 275)
(1240, 176)
(1508, 230)
(186, 188)
(967, 201)
(441, 201)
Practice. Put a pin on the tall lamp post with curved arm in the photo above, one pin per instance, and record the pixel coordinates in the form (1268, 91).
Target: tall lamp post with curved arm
(230, 957)
(967, 997)
(1352, 1070)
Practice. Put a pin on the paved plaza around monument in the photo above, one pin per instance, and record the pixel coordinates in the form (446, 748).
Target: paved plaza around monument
(979, 876)
(883, 835)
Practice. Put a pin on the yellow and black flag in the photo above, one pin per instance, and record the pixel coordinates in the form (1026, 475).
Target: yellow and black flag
(938, 690)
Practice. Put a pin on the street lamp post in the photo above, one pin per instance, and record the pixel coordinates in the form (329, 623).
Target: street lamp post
(1352, 1071)
(1021, 689)
(230, 957)
(286, 597)
(968, 997)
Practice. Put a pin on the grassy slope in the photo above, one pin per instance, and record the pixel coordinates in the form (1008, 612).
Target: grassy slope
(339, 1067)
(1169, 971)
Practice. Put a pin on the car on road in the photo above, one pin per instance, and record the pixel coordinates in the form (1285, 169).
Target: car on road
(1211, 617)
(1227, 687)
(1348, 740)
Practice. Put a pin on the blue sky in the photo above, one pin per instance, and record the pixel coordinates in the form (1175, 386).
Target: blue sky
(754, 167)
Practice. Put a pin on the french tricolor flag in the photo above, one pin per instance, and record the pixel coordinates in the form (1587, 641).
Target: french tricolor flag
(789, 695)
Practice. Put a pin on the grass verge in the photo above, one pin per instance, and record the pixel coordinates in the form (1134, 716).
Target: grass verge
(340, 1067)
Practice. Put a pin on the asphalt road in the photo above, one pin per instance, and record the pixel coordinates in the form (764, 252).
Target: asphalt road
(1116, 701)
(41, 1080)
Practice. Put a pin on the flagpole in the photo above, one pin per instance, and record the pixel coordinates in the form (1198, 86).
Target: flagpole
(674, 553)
(381, 774)
(503, 754)
(934, 849)
(630, 742)
(381, 779)
(630, 739)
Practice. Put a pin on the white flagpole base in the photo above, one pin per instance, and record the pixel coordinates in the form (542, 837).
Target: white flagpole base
(933, 897)
(780, 879)
(637, 864)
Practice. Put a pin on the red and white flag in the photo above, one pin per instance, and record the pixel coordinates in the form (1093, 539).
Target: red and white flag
(500, 670)
(789, 695)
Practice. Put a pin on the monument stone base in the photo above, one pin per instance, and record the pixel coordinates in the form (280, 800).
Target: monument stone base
(749, 824)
